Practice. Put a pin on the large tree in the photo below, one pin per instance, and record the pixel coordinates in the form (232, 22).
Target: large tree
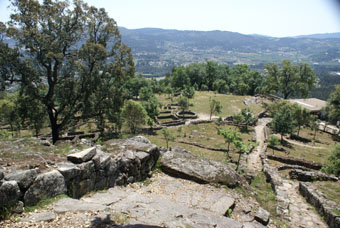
(68, 57)
(288, 79)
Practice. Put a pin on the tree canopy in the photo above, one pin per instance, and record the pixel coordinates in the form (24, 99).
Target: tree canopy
(289, 80)
(69, 57)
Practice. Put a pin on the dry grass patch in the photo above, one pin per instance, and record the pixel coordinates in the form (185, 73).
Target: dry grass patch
(331, 189)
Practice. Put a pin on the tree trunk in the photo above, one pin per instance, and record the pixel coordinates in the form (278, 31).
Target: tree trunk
(281, 139)
(239, 159)
(298, 130)
(54, 125)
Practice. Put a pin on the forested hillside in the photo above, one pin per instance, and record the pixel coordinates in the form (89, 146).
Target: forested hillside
(157, 51)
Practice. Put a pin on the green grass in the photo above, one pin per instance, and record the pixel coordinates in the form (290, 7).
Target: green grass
(264, 193)
(43, 203)
(330, 189)
(232, 104)
(324, 144)
(204, 134)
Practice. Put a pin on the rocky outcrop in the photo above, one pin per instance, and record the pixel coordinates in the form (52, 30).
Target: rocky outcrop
(310, 176)
(92, 169)
(295, 161)
(45, 186)
(325, 207)
(181, 163)
(262, 216)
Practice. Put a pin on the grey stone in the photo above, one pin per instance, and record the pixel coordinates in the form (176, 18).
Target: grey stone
(45, 143)
(113, 195)
(46, 185)
(182, 163)
(24, 178)
(253, 225)
(262, 216)
(302, 175)
(68, 204)
(101, 160)
(19, 208)
(9, 193)
(40, 217)
(82, 156)
(1, 174)
(68, 170)
(142, 156)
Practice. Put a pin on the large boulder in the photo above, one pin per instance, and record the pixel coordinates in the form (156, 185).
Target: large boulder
(24, 178)
(181, 163)
(9, 193)
(45, 186)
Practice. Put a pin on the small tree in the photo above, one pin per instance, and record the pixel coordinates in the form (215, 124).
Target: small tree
(183, 103)
(273, 141)
(301, 116)
(242, 148)
(230, 136)
(134, 115)
(168, 136)
(215, 107)
(151, 107)
(333, 166)
(248, 117)
(145, 93)
(283, 123)
(314, 123)
(188, 91)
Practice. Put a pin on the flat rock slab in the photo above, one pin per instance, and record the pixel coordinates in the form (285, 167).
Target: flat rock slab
(82, 156)
(68, 204)
(106, 198)
(181, 163)
(42, 216)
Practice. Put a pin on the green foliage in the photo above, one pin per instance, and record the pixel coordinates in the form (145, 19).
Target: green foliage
(134, 115)
(188, 91)
(215, 107)
(75, 79)
(283, 123)
(220, 86)
(168, 136)
(183, 103)
(289, 80)
(145, 93)
(151, 107)
(301, 116)
(334, 104)
(333, 166)
(245, 117)
(273, 141)
(9, 112)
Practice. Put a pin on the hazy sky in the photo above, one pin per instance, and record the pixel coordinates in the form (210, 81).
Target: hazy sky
(267, 17)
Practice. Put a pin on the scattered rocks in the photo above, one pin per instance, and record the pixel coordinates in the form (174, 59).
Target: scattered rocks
(1, 174)
(262, 216)
(19, 208)
(82, 156)
(46, 185)
(295, 161)
(182, 163)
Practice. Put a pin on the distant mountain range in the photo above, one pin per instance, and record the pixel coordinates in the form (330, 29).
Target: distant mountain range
(156, 51)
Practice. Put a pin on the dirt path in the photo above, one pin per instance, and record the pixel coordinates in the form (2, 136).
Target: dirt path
(302, 144)
(254, 160)
(301, 214)
(201, 116)
(296, 210)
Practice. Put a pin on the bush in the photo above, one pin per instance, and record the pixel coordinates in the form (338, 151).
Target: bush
(333, 166)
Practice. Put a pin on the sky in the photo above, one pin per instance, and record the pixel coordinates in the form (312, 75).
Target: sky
(278, 18)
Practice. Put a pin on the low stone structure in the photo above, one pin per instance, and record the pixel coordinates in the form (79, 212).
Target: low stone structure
(326, 208)
(295, 161)
(91, 169)
(308, 176)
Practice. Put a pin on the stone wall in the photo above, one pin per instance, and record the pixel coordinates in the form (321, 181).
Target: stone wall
(92, 169)
(295, 161)
(324, 207)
